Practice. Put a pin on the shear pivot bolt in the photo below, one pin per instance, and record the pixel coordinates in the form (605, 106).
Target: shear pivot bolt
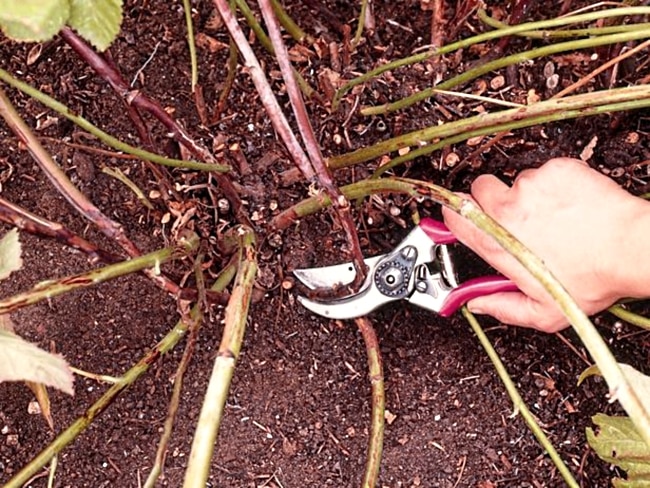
(409, 253)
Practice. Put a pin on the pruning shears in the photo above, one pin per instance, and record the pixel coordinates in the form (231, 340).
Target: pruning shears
(420, 270)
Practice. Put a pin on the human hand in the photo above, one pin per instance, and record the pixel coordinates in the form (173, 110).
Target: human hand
(590, 233)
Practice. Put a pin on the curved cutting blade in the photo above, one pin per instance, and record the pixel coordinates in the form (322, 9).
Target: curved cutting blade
(332, 276)
(350, 307)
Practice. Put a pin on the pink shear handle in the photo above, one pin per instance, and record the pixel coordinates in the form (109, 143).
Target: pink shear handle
(476, 287)
(437, 231)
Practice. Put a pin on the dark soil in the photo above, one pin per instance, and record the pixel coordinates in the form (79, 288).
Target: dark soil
(298, 411)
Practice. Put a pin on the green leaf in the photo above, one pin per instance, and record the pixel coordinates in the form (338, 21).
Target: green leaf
(10, 251)
(33, 20)
(97, 22)
(23, 361)
(618, 442)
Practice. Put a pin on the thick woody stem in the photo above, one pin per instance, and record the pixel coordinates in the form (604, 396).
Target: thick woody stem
(17, 216)
(341, 204)
(279, 121)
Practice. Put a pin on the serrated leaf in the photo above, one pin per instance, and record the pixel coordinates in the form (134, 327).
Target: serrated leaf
(618, 442)
(97, 22)
(33, 20)
(10, 252)
(22, 361)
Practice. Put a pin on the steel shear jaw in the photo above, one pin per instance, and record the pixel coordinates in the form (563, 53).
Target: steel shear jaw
(419, 270)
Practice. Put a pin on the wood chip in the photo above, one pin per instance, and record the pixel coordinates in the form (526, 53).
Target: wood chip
(588, 151)
(452, 159)
(204, 41)
(389, 416)
(475, 141)
(497, 82)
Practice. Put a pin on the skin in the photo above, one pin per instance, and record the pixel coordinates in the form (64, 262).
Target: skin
(590, 233)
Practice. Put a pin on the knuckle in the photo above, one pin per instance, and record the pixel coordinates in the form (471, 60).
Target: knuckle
(547, 318)
(525, 180)
(505, 211)
(561, 163)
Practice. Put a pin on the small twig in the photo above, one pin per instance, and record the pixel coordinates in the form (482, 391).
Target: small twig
(461, 471)
(480, 98)
(91, 149)
(594, 6)
(227, 84)
(146, 63)
(104, 378)
(471, 156)
(573, 348)
(187, 7)
(53, 288)
(120, 176)
(134, 114)
(378, 401)
(437, 23)
(341, 204)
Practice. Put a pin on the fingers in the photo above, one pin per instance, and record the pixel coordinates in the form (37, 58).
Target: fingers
(489, 192)
(515, 308)
(463, 229)
(492, 195)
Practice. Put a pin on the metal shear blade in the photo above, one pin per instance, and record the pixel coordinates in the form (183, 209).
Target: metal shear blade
(332, 276)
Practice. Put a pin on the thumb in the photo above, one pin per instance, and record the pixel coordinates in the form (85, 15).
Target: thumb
(516, 308)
